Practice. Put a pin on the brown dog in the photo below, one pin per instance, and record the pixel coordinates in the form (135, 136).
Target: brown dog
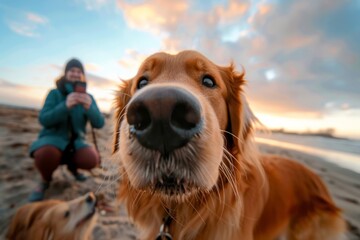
(55, 220)
(191, 170)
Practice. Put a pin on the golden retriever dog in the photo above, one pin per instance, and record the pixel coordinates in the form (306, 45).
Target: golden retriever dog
(190, 168)
(55, 220)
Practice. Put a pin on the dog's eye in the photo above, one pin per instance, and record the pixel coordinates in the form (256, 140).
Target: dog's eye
(142, 82)
(208, 81)
(67, 214)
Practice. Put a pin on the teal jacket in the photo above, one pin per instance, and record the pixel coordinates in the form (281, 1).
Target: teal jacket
(54, 118)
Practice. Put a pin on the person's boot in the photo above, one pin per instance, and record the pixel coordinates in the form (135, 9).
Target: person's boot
(80, 177)
(39, 192)
(73, 169)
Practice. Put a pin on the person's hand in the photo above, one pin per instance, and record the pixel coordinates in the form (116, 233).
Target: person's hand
(72, 100)
(85, 100)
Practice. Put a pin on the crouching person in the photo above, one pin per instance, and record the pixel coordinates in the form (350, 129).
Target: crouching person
(64, 116)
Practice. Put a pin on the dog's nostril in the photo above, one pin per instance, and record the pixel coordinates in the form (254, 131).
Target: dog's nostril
(139, 117)
(185, 116)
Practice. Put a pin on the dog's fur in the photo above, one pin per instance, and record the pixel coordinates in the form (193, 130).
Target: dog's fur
(55, 220)
(236, 193)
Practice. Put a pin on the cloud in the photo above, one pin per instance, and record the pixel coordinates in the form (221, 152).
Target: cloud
(131, 62)
(96, 81)
(4, 83)
(23, 29)
(316, 64)
(187, 24)
(309, 50)
(21, 95)
(92, 67)
(93, 4)
(27, 24)
(150, 15)
(36, 18)
(103, 90)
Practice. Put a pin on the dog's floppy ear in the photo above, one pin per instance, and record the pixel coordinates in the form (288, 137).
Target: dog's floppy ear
(240, 116)
(122, 98)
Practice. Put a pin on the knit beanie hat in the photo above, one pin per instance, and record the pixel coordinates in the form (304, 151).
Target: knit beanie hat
(74, 63)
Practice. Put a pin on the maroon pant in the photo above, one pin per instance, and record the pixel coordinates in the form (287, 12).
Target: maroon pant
(48, 158)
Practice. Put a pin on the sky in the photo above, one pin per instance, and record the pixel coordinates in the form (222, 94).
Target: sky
(302, 58)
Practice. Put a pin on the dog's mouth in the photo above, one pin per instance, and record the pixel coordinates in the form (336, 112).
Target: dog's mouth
(173, 174)
(93, 204)
(172, 185)
(87, 217)
(90, 215)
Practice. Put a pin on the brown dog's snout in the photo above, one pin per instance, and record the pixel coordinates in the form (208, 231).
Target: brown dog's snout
(164, 118)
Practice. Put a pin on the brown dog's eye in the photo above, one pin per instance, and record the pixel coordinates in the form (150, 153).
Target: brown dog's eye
(67, 214)
(142, 83)
(208, 81)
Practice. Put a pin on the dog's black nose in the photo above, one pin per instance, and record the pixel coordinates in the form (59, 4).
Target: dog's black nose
(164, 118)
(90, 198)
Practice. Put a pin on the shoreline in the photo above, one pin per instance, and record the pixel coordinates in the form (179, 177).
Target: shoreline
(345, 160)
(312, 134)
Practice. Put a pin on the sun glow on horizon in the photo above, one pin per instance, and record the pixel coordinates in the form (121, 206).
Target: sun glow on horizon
(340, 122)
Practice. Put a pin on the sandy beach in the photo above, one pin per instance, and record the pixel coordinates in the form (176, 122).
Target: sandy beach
(19, 128)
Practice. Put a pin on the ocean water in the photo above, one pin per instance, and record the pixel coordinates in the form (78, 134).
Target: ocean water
(342, 152)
